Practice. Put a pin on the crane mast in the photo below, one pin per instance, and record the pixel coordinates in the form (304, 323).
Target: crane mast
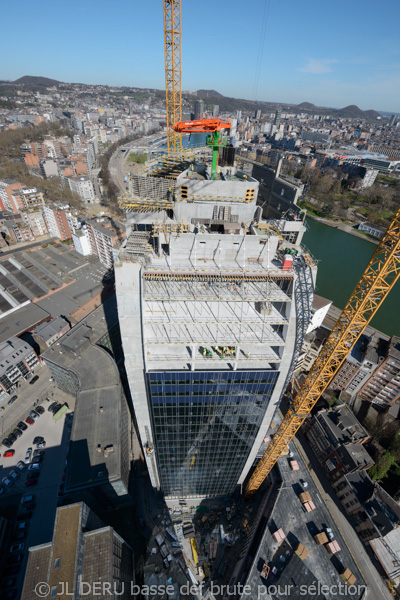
(173, 89)
(378, 279)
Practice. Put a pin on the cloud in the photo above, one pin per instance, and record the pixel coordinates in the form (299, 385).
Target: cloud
(318, 66)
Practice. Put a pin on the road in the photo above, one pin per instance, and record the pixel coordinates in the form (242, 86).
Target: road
(374, 581)
(120, 156)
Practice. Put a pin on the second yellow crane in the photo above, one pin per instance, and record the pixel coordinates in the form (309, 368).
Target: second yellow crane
(379, 277)
(173, 86)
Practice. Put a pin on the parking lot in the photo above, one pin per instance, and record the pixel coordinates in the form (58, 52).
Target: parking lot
(38, 514)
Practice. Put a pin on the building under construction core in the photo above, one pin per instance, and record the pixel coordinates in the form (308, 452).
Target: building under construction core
(213, 306)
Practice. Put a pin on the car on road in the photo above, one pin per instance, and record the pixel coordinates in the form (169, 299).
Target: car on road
(14, 475)
(41, 445)
(34, 467)
(8, 453)
(39, 410)
(13, 399)
(29, 420)
(28, 455)
(6, 481)
(34, 379)
(38, 439)
(7, 443)
(21, 466)
(30, 482)
(21, 425)
(17, 432)
(17, 547)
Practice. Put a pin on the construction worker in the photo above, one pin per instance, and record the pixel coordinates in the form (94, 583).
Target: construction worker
(204, 351)
(247, 354)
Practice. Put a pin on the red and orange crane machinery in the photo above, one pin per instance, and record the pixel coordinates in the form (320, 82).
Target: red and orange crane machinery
(212, 126)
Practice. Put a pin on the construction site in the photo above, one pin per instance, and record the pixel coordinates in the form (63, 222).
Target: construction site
(214, 302)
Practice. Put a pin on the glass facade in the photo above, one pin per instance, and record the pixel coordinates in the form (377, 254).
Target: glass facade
(204, 426)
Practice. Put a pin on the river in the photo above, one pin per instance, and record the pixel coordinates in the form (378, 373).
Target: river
(343, 258)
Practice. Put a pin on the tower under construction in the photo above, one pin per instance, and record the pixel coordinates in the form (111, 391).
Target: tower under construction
(213, 305)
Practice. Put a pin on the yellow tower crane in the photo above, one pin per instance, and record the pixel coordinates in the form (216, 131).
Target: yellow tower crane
(173, 88)
(379, 277)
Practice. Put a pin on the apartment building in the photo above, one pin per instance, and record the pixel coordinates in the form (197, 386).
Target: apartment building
(82, 554)
(17, 360)
(34, 219)
(56, 220)
(83, 187)
(337, 438)
(105, 238)
(383, 387)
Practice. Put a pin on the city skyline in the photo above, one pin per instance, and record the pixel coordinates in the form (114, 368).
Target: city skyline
(284, 56)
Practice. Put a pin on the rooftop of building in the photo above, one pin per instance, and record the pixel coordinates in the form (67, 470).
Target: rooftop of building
(343, 425)
(320, 302)
(95, 448)
(51, 328)
(394, 348)
(387, 550)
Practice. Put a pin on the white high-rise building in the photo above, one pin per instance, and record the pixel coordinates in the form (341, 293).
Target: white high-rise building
(213, 313)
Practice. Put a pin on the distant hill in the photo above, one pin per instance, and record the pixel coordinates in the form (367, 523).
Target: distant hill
(373, 114)
(307, 106)
(207, 93)
(32, 80)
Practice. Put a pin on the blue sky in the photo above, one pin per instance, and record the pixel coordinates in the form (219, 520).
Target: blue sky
(328, 53)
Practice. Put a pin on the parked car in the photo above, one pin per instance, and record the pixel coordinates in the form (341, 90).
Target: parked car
(19, 535)
(39, 410)
(34, 467)
(34, 475)
(1, 409)
(30, 482)
(21, 425)
(6, 481)
(9, 594)
(17, 548)
(52, 405)
(8, 453)
(34, 379)
(8, 582)
(14, 475)
(34, 415)
(28, 455)
(21, 466)
(23, 525)
(38, 452)
(13, 399)
(7, 443)
(17, 433)
(2, 490)
(37, 460)
(12, 437)
(56, 408)
(38, 439)
(41, 445)
(29, 420)
(25, 516)
(16, 558)
(13, 570)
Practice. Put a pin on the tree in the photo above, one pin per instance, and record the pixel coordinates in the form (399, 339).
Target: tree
(381, 468)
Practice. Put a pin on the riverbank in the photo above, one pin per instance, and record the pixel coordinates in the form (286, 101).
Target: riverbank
(343, 227)
(334, 313)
